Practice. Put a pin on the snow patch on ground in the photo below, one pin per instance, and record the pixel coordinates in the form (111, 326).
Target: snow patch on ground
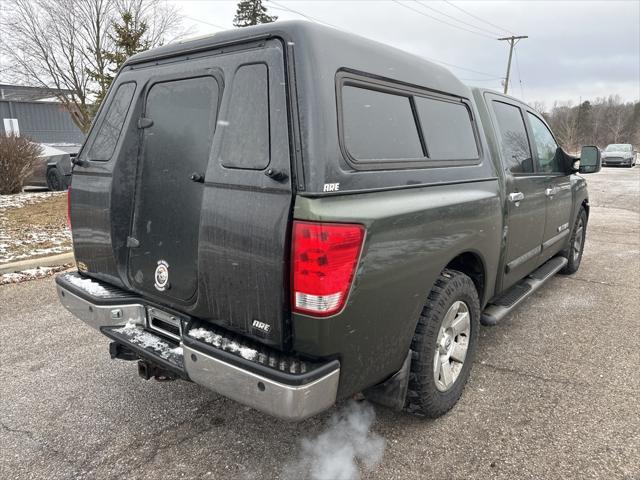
(21, 199)
(31, 241)
(36, 252)
(219, 341)
(147, 340)
(30, 274)
(88, 285)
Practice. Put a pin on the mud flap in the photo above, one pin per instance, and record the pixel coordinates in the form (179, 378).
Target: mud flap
(393, 391)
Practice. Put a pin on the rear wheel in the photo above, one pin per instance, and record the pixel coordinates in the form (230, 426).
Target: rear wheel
(573, 253)
(443, 345)
(55, 180)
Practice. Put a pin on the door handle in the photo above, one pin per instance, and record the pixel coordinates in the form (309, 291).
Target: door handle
(550, 192)
(516, 197)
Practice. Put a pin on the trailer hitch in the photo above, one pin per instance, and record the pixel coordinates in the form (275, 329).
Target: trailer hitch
(148, 371)
(119, 351)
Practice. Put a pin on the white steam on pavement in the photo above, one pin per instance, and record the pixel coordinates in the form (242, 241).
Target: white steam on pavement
(337, 452)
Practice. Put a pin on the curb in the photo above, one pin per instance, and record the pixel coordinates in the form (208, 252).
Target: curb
(52, 261)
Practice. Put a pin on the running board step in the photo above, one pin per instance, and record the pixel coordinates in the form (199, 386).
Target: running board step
(505, 303)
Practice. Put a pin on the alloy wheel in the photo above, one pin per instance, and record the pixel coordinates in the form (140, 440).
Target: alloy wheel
(451, 346)
(577, 242)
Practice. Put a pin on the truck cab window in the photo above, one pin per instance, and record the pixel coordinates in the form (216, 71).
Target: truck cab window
(514, 143)
(547, 158)
(109, 132)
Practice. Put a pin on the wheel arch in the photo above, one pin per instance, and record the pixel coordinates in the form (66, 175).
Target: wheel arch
(473, 265)
(585, 205)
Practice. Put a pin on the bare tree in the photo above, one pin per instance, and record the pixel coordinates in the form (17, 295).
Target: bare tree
(615, 116)
(539, 107)
(564, 122)
(61, 44)
(601, 122)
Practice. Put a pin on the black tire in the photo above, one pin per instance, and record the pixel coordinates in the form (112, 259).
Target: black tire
(573, 253)
(55, 180)
(423, 396)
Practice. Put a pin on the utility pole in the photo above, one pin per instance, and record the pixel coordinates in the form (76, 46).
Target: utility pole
(513, 40)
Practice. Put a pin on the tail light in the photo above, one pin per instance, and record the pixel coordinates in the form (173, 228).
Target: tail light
(324, 258)
(69, 207)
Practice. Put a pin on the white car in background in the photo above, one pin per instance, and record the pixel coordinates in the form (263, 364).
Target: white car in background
(619, 154)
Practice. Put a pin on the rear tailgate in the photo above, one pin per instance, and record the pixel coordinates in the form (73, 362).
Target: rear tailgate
(178, 205)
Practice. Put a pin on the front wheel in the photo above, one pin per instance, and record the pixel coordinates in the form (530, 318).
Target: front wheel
(574, 251)
(443, 345)
(55, 180)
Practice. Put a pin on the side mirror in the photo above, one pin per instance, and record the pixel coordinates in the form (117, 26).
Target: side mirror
(590, 160)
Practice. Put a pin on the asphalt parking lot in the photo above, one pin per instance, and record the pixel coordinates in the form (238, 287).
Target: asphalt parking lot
(554, 392)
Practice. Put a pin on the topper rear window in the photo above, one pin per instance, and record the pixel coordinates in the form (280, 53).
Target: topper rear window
(106, 139)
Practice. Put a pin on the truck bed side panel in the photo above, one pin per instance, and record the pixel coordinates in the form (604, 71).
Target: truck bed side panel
(412, 234)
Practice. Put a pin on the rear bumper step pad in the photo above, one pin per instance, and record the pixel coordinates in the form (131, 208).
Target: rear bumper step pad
(149, 346)
(281, 385)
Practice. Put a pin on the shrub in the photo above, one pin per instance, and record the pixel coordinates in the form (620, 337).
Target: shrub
(18, 156)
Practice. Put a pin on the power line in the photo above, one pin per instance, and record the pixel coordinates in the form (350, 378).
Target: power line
(316, 20)
(480, 79)
(477, 17)
(206, 23)
(420, 12)
(308, 17)
(492, 75)
(456, 19)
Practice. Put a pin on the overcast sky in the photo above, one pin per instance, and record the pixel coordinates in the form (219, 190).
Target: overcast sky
(575, 48)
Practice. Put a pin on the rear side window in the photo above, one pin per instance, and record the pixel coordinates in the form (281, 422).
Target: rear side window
(379, 125)
(514, 143)
(447, 129)
(245, 141)
(109, 131)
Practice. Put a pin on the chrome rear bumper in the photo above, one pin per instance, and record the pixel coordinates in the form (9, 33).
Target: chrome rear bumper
(97, 316)
(289, 402)
(255, 383)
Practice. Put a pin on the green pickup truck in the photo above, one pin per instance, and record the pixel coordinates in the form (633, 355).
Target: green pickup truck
(290, 215)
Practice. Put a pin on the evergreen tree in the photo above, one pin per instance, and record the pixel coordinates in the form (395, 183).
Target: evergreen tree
(585, 124)
(128, 39)
(252, 12)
